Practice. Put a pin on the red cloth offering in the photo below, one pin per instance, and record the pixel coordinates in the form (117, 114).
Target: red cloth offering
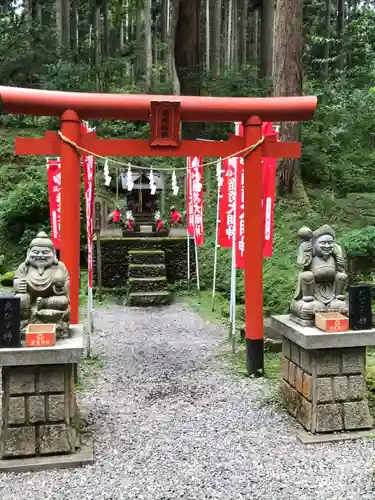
(116, 216)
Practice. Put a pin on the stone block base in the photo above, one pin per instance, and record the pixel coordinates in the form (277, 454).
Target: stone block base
(39, 414)
(324, 389)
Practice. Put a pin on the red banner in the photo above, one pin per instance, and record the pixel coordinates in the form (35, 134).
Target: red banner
(268, 199)
(54, 189)
(227, 204)
(268, 194)
(195, 199)
(240, 206)
(54, 192)
(89, 177)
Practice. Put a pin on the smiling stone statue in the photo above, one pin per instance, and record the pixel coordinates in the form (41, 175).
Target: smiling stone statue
(42, 284)
(322, 282)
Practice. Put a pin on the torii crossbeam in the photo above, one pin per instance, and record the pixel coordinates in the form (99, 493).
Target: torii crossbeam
(165, 114)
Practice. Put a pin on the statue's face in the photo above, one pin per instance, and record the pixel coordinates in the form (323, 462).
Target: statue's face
(324, 245)
(41, 256)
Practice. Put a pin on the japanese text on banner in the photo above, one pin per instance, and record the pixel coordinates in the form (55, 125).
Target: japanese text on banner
(195, 199)
(227, 204)
(54, 192)
(89, 176)
(240, 214)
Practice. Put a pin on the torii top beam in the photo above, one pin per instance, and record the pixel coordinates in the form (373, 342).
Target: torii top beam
(137, 107)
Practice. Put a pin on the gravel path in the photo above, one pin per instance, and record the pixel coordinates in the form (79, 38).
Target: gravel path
(174, 424)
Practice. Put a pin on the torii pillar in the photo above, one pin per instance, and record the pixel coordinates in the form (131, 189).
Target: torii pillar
(165, 117)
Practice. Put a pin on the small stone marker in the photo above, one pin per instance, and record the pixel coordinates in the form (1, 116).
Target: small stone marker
(360, 313)
(10, 317)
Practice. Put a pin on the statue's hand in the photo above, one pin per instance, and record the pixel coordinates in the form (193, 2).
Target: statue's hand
(58, 288)
(22, 286)
(306, 246)
(39, 303)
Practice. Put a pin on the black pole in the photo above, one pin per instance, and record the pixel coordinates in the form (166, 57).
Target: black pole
(255, 357)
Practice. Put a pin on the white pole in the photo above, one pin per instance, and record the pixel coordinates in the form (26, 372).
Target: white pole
(219, 173)
(90, 310)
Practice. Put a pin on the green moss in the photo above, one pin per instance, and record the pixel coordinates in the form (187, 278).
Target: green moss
(7, 278)
(115, 254)
(131, 252)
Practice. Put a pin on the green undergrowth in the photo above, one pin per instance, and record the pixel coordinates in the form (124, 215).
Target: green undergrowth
(352, 217)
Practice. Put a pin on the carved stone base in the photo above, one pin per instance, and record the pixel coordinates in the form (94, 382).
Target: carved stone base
(303, 322)
(323, 384)
(39, 412)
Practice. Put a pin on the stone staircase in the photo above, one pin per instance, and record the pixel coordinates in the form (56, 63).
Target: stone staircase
(147, 278)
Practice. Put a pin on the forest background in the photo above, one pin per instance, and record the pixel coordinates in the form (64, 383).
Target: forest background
(207, 47)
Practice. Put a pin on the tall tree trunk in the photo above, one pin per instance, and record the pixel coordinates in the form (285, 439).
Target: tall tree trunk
(172, 26)
(208, 37)
(97, 45)
(341, 39)
(288, 82)
(155, 39)
(122, 24)
(266, 43)
(216, 34)
(4, 6)
(164, 30)
(187, 53)
(74, 36)
(327, 36)
(229, 39)
(254, 35)
(243, 32)
(59, 26)
(37, 11)
(235, 64)
(148, 44)
(65, 11)
(138, 40)
(105, 29)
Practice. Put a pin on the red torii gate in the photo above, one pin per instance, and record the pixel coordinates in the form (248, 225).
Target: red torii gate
(164, 113)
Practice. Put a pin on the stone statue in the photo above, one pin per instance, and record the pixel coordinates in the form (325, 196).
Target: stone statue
(322, 282)
(42, 284)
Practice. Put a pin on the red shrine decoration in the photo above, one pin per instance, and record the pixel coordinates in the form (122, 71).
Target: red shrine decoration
(72, 107)
(165, 123)
(195, 199)
(54, 192)
(227, 204)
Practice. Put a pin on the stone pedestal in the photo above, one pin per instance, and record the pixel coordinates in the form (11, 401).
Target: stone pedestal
(39, 413)
(323, 384)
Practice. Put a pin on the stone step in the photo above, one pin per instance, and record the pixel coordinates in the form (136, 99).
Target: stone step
(149, 299)
(146, 257)
(148, 284)
(142, 270)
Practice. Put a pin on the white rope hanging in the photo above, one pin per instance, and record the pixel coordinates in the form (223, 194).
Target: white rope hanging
(107, 177)
(129, 179)
(152, 183)
(175, 188)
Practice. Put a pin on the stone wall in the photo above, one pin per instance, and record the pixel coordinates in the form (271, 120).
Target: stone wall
(325, 389)
(115, 258)
(39, 411)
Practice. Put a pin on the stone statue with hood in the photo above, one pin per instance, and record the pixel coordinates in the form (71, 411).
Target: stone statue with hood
(42, 284)
(322, 280)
